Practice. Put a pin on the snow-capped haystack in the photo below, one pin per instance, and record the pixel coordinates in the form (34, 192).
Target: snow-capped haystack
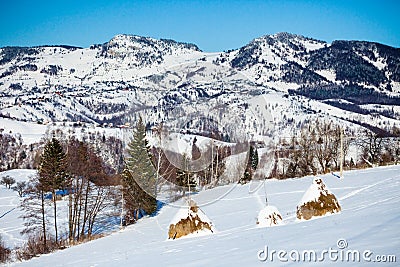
(190, 220)
(269, 216)
(317, 201)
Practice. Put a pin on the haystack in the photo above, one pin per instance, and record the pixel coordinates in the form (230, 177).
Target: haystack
(317, 201)
(190, 220)
(269, 216)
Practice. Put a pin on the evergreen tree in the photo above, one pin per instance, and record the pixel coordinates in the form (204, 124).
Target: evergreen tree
(251, 166)
(52, 173)
(253, 157)
(135, 198)
(139, 176)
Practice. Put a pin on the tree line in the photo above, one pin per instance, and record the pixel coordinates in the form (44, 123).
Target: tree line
(94, 192)
(317, 149)
(73, 172)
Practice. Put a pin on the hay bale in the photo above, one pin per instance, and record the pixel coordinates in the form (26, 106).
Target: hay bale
(317, 201)
(269, 216)
(190, 220)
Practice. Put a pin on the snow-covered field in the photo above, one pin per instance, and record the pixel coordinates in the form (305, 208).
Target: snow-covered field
(10, 223)
(369, 223)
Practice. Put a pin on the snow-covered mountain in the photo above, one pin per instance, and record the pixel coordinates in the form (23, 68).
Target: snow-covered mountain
(285, 61)
(130, 75)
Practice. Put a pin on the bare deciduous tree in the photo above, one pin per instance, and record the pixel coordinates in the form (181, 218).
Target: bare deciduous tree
(20, 188)
(8, 181)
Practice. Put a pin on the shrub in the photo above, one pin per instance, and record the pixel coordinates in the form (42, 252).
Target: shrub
(7, 181)
(35, 246)
(4, 252)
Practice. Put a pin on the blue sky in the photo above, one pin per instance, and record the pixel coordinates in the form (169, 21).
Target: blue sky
(212, 25)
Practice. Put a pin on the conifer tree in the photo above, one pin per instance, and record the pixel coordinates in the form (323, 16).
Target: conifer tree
(133, 197)
(251, 166)
(253, 157)
(139, 176)
(52, 173)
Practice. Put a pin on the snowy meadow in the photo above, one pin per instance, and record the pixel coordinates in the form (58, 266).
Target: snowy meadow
(367, 226)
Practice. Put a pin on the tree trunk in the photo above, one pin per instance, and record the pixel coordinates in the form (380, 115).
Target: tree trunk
(78, 222)
(43, 219)
(55, 214)
(85, 207)
(70, 218)
(77, 207)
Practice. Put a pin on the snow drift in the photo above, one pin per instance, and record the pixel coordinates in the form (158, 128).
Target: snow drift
(269, 216)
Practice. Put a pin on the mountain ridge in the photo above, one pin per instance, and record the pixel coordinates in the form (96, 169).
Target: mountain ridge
(129, 75)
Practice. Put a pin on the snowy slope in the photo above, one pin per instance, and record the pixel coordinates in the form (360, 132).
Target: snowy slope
(30, 132)
(10, 223)
(369, 220)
